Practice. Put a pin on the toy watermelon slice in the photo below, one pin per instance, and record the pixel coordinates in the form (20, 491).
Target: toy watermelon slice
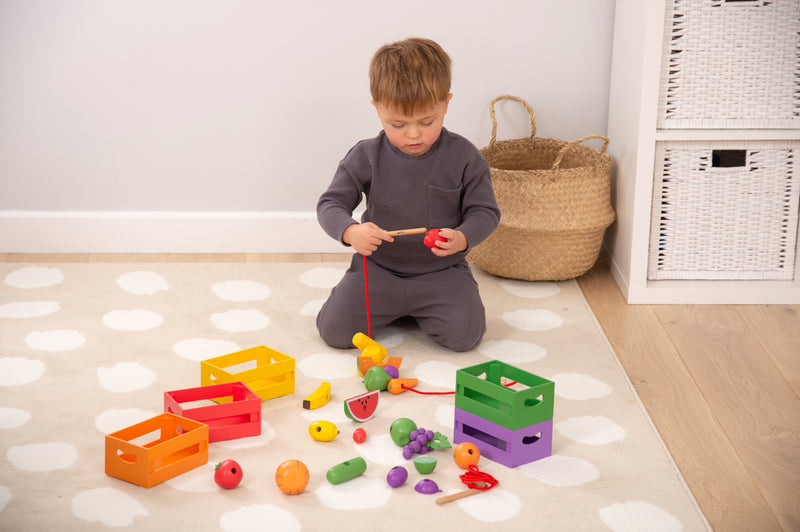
(362, 407)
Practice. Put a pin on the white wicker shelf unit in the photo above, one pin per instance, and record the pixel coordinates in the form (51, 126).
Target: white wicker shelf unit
(704, 122)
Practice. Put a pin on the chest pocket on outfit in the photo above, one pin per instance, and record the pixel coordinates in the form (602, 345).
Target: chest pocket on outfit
(444, 207)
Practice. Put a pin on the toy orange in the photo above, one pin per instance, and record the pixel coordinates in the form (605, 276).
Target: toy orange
(466, 454)
(292, 477)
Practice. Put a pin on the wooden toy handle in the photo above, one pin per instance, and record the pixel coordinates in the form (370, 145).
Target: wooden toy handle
(456, 496)
(401, 232)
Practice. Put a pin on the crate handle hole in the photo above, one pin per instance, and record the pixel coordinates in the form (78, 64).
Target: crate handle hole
(527, 440)
(126, 457)
(534, 401)
(728, 158)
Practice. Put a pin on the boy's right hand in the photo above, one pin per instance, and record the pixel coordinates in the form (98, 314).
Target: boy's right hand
(365, 238)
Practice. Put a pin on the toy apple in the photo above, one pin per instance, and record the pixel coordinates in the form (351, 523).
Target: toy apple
(228, 474)
(430, 238)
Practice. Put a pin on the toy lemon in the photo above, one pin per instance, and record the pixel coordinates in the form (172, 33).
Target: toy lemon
(323, 430)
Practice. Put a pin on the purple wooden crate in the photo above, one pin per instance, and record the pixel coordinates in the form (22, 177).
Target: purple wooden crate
(505, 446)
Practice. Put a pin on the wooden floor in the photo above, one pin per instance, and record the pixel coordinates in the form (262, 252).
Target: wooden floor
(721, 383)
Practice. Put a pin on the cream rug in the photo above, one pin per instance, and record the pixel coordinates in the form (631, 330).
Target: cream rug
(89, 349)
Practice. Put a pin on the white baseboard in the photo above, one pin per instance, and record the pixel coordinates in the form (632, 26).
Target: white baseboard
(159, 232)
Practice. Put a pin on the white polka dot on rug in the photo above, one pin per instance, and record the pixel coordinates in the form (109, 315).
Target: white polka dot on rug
(512, 351)
(533, 319)
(254, 517)
(381, 449)
(561, 471)
(322, 277)
(198, 480)
(632, 516)
(326, 366)
(34, 277)
(491, 506)
(125, 377)
(312, 308)
(266, 436)
(132, 320)
(11, 418)
(579, 387)
(5, 496)
(437, 373)
(359, 493)
(530, 290)
(28, 309)
(115, 419)
(445, 415)
(197, 349)
(42, 456)
(110, 506)
(53, 341)
(332, 412)
(241, 290)
(142, 283)
(239, 320)
(591, 430)
(18, 370)
(389, 337)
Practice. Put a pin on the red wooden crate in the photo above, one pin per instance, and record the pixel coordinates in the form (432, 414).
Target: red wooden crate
(238, 416)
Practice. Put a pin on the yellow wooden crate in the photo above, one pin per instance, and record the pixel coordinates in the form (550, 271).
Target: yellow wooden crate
(267, 372)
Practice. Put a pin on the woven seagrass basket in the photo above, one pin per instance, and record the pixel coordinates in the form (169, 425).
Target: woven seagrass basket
(555, 203)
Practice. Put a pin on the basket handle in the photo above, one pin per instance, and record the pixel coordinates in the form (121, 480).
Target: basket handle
(562, 151)
(494, 118)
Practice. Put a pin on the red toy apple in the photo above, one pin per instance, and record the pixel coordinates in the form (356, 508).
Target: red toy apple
(228, 474)
(431, 237)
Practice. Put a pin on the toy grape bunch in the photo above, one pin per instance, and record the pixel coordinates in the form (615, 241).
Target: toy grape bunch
(405, 433)
(418, 443)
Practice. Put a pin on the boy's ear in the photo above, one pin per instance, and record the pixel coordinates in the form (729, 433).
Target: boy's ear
(447, 102)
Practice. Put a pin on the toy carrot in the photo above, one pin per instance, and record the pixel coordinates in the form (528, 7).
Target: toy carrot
(400, 385)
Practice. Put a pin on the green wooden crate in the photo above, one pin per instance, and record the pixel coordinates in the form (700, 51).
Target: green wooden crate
(480, 391)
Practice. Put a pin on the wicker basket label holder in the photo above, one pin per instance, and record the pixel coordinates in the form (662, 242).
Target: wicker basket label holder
(555, 203)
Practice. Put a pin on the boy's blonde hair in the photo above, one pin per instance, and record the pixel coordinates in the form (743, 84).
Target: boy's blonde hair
(410, 74)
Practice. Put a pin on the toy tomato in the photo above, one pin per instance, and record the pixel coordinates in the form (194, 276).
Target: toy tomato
(228, 474)
(359, 435)
(466, 454)
(430, 238)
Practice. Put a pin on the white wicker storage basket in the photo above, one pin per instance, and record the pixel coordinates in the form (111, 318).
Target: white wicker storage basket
(730, 64)
(725, 210)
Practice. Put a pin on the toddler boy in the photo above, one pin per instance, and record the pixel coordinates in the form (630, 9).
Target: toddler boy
(414, 173)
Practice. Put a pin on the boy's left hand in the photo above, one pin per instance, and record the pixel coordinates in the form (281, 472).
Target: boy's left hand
(449, 242)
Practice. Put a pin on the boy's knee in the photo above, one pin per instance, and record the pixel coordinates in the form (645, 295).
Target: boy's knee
(461, 338)
(460, 342)
(333, 333)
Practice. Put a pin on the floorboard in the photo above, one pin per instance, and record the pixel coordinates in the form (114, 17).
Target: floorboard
(734, 372)
(719, 480)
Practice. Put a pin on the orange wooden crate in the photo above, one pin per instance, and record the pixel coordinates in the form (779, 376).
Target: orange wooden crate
(237, 419)
(180, 444)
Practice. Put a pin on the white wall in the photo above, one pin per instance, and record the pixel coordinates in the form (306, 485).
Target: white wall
(202, 125)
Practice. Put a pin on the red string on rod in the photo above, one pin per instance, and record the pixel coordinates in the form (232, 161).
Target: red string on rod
(474, 475)
(366, 296)
(511, 383)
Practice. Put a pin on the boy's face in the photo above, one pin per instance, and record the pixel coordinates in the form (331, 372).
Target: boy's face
(414, 134)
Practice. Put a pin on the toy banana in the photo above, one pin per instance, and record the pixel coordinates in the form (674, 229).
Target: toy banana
(318, 397)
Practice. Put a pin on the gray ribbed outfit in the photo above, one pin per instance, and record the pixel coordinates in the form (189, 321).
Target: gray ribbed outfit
(447, 187)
